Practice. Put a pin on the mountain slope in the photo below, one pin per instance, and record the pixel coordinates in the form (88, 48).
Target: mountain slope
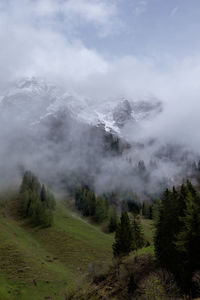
(35, 264)
(35, 99)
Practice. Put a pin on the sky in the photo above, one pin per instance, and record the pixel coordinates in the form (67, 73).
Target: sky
(98, 31)
(110, 48)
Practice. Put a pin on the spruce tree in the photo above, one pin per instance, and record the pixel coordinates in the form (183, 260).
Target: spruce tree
(188, 239)
(177, 238)
(138, 236)
(101, 211)
(36, 201)
(123, 244)
(113, 219)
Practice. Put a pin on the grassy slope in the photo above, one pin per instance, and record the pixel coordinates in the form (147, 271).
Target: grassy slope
(38, 263)
(148, 228)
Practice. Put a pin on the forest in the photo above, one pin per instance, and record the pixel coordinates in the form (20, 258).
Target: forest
(153, 246)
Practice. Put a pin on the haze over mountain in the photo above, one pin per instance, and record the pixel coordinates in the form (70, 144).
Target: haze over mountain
(75, 99)
(73, 139)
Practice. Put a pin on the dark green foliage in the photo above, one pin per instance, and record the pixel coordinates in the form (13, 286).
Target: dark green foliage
(138, 237)
(79, 198)
(90, 205)
(177, 238)
(147, 209)
(123, 244)
(166, 231)
(128, 236)
(102, 207)
(132, 285)
(113, 219)
(85, 201)
(30, 182)
(36, 201)
(134, 206)
(156, 210)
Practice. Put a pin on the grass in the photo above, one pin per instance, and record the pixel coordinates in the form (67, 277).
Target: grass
(46, 263)
(148, 229)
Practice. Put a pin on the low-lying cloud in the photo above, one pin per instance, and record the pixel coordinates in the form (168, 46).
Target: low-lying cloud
(43, 38)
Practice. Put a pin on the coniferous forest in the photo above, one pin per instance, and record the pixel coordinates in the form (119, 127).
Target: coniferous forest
(153, 246)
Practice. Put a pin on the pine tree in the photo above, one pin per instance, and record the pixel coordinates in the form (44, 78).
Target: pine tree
(177, 238)
(113, 219)
(91, 199)
(166, 229)
(79, 198)
(36, 201)
(101, 212)
(188, 239)
(123, 244)
(138, 236)
(43, 194)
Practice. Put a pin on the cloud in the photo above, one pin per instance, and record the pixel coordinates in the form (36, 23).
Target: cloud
(34, 41)
(33, 45)
(174, 11)
(64, 14)
(140, 7)
(99, 13)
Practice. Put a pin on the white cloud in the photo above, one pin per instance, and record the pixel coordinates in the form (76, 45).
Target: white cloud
(97, 12)
(102, 15)
(46, 8)
(35, 44)
(42, 49)
(174, 11)
(140, 7)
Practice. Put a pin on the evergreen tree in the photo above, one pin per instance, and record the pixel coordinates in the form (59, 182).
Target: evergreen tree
(113, 219)
(123, 244)
(101, 212)
(85, 201)
(79, 198)
(147, 209)
(91, 199)
(36, 201)
(138, 236)
(156, 210)
(43, 194)
(188, 239)
(177, 238)
(166, 229)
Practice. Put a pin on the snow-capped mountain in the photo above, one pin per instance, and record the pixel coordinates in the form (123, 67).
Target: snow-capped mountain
(34, 99)
(47, 129)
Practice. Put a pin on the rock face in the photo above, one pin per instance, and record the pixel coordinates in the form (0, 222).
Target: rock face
(122, 113)
(33, 99)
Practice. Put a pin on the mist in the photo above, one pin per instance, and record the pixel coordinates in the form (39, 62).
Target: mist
(43, 39)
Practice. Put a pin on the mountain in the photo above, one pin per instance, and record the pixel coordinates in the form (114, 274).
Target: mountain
(33, 99)
(72, 138)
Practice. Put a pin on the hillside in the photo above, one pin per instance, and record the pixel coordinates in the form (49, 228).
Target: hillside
(48, 263)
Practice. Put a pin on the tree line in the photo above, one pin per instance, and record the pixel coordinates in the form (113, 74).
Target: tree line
(37, 202)
(97, 207)
(177, 238)
(128, 236)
